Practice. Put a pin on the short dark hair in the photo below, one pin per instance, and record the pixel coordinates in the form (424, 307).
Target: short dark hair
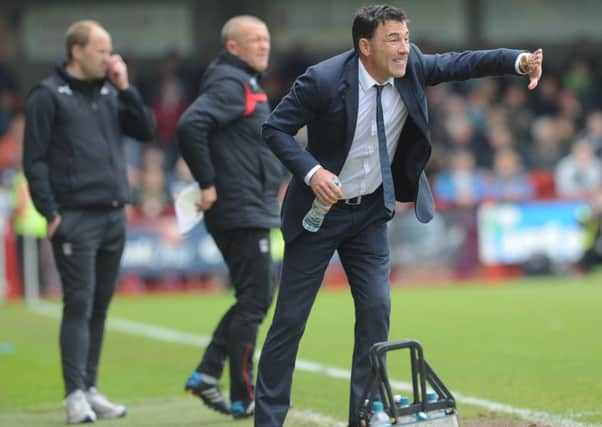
(367, 18)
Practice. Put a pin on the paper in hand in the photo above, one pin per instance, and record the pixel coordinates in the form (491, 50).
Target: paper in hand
(187, 214)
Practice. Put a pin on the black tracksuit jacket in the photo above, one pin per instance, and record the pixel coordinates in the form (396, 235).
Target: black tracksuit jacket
(73, 147)
(219, 137)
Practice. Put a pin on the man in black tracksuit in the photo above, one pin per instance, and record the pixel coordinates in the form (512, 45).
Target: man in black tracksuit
(219, 137)
(76, 171)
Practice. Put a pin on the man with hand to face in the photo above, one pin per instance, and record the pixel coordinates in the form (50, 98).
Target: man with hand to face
(75, 166)
(220, 139)
(367, 124)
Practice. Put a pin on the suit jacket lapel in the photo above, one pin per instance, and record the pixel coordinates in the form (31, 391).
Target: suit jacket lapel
(408, 94)
(350, 95)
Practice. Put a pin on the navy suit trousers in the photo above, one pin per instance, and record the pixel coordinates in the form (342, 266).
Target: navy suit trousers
(359, 233)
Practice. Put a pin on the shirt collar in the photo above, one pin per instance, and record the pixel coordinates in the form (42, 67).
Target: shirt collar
(366, 80)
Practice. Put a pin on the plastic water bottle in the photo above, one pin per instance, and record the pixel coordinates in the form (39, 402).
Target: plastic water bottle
(379, 417)
(403, 402)
(431, 397)
(313, 219)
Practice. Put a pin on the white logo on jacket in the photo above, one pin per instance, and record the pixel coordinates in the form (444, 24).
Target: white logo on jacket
(65, 89)
(264, 246)
(67, 249)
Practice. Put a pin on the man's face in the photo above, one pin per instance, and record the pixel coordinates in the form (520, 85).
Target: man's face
(252, 45)
(388, 50)
(92, 58)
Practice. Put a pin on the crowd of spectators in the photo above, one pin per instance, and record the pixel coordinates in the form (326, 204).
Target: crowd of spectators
(493, 139)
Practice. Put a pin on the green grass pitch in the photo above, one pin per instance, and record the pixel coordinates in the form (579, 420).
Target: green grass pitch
(531, 344)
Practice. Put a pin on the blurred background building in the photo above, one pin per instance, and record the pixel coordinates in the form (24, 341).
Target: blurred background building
(515, 173)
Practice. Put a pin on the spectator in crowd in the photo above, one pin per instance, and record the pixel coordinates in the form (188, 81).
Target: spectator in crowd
(500, 136)
(592, 226)
(566, 131)
(462, 184)
(593, 131)
(545, 149)
(480, 100)
(509, 182)
(75, 166)
(570, 106)
(579, 80)
(544, 102)
(368, 144)
(519, 114)
(219, 137)
(151, 197)
(579, 175)
(167, 106)
(462, 135)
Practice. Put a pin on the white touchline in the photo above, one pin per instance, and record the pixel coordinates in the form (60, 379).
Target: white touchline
(172, 335)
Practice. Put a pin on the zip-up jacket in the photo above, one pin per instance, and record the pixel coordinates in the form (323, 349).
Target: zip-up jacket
(73, 147)
(219, 137)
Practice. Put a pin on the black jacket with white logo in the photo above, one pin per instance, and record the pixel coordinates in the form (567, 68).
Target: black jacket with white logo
(219, 137)
(73, 147)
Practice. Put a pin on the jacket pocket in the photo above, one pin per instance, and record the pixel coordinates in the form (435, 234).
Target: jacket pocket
(271, 173)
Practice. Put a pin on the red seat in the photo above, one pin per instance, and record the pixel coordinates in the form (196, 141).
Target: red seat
(543, 183)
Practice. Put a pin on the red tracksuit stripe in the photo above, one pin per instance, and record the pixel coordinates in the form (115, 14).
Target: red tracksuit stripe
(245, 370)
(252, 99)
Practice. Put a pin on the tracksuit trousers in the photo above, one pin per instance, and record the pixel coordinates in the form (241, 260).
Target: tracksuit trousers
(246, 252)
(87, 248)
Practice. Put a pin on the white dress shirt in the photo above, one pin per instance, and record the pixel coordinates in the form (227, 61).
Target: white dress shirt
(361, 172)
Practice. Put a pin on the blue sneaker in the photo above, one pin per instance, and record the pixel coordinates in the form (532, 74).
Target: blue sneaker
(207, 389)
(239, 411)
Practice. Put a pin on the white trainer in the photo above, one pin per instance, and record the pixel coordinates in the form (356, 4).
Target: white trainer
(78, 409)
(103, 407)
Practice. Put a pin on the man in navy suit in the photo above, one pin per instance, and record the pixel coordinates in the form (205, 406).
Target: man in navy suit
(367, 125)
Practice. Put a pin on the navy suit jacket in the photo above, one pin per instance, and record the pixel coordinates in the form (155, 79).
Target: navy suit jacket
(325, 98)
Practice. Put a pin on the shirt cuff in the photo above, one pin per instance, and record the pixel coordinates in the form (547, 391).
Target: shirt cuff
(517, 63)
(311, 173)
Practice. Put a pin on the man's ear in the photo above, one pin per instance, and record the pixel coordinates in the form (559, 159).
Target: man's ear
(76, 51)
(232, 47)
(364, 47)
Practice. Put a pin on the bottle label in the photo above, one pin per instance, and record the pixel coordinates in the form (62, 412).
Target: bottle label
(313, 219)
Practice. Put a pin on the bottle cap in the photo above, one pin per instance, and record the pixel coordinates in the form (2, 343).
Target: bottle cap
(421, 416)
(404, 401)
(431, 397)
(377, 406)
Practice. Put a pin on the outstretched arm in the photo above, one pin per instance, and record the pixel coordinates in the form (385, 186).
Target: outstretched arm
(455, 66)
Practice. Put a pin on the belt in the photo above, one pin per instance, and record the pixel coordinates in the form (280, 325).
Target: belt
(354, 201)
(358, 200)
